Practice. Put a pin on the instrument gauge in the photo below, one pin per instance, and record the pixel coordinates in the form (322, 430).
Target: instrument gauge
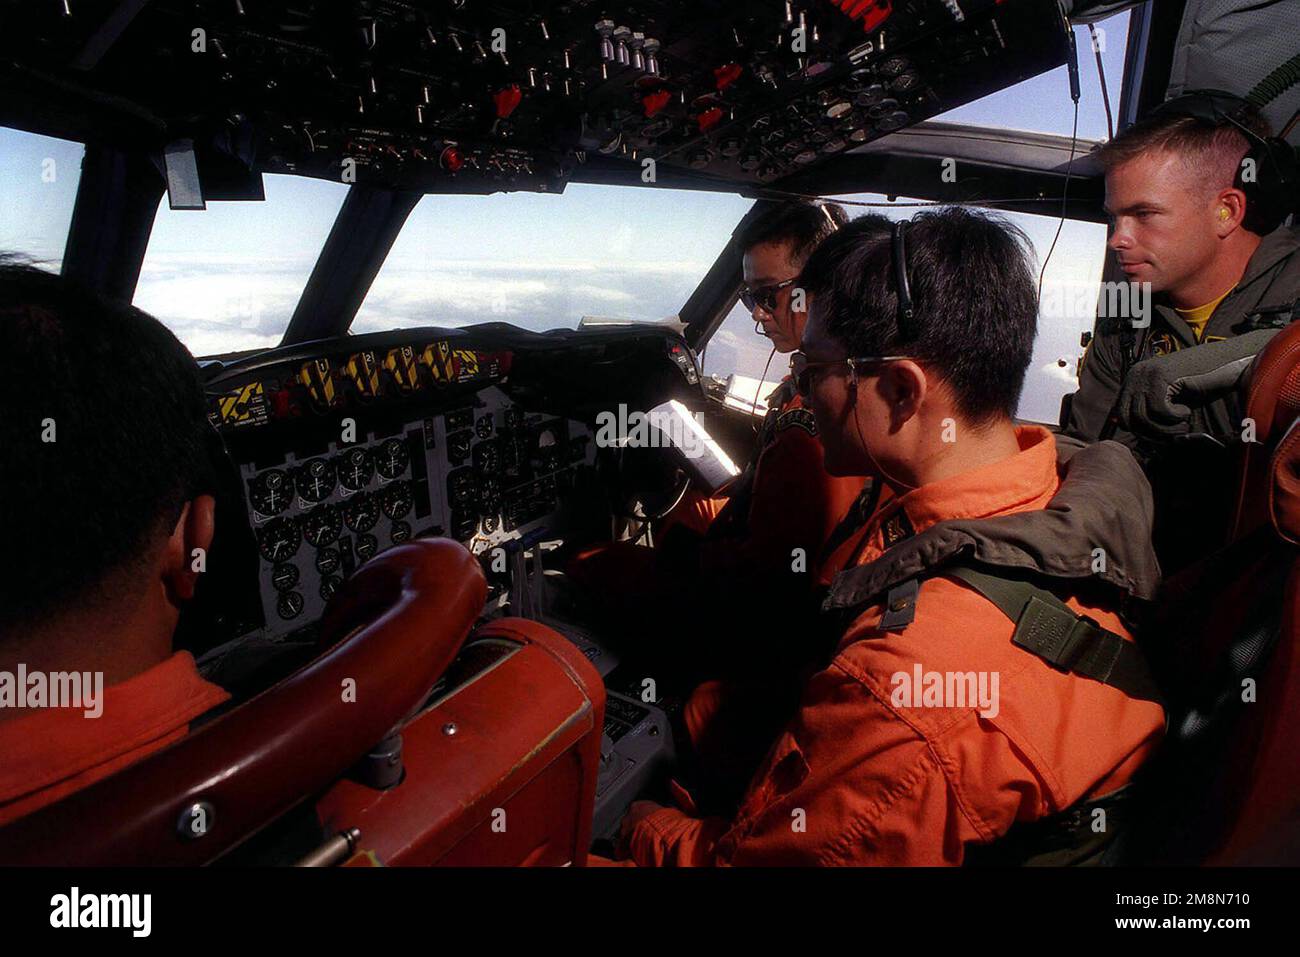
(284, 576)
(394, 457)
(356, 469)
(279, 539)
(401, 532)
(487, 457)
(398, 500)
(362, 513)
(316, 480)
(289, 605)
(322, 525)
(329, 586)
(483, 427)
(459, 419)
(367, 546)
(327, 561)
(489, 496)
(270, 493)
(458, 446)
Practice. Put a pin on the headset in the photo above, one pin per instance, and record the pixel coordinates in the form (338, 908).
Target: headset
(907, 332)
(906, 314)
(1273, 194)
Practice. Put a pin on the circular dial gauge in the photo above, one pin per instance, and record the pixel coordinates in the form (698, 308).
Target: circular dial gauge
(483, 427)
(356, 469)
(458, 446)
(401, 533)
(316, 480)
(329, 586)
(327, 561)
(289, 605)
(284, 576)
(905, 82)
(270, 492)
(367, 545)
(394, 457)
(489, 496)
(279, 539)
(398, 500)
(322, 525)
(361, 513)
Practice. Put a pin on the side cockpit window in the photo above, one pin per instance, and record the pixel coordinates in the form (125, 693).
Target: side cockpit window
(38, 188)
(227, 278)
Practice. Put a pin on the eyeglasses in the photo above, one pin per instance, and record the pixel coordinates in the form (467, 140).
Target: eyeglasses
(764, 296)
(801, 367)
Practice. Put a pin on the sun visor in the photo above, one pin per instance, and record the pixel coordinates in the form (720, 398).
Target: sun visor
(182, 167)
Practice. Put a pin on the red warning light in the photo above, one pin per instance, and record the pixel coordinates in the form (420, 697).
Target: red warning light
(451, 160)
(282, 404)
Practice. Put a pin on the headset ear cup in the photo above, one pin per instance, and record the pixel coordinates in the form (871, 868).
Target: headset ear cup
(1283, 179)
(1272, 194)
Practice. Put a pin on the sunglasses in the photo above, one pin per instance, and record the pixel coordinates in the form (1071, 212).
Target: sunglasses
(764, 296)
(802, 368)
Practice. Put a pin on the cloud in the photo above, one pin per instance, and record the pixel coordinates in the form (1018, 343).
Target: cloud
(236, 303)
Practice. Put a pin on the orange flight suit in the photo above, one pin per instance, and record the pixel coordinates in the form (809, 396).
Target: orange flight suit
(732, 580)
(857, 779)
(48, 754)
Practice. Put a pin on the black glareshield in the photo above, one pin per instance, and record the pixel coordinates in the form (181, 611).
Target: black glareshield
(1273, 192)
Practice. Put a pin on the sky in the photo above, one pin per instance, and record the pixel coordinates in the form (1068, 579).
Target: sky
(229, 277)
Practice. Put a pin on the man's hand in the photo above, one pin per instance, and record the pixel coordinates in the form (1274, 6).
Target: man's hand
(1161, 392)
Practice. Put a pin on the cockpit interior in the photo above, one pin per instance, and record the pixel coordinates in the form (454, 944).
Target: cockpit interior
(400, 498)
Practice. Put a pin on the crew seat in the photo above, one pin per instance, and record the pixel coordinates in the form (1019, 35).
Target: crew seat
(410, 739)
(1225, 643)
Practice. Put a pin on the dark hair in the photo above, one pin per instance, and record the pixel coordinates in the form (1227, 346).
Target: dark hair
(802, 224)
(972, 290)
(126, 406)
(1212, 150)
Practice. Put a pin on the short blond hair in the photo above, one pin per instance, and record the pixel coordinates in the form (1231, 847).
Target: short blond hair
(1213, 151)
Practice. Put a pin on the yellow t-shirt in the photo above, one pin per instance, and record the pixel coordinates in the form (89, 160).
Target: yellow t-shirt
(1198, 317)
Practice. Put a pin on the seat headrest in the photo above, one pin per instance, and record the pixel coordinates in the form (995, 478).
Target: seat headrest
(1264, 477)
(1273, 396)
(1284, 491)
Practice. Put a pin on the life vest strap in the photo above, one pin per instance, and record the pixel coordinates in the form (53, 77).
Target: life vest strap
(1066, 640)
